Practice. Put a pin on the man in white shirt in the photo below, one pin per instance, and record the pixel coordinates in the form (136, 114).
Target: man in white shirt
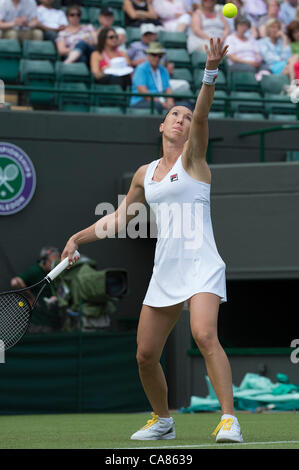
(18, 20)
(50, 20)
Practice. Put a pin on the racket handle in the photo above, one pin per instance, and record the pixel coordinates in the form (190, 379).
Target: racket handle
(60, 267)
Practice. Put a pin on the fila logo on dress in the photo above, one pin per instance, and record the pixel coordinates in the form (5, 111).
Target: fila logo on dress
(174, 177)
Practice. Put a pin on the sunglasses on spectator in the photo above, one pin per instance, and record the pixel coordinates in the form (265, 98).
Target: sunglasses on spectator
(114, 36)
(75, 14)
(157, 55)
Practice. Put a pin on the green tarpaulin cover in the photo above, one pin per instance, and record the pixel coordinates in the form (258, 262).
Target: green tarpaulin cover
(255, 391)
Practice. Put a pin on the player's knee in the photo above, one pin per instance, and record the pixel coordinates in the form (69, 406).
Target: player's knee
(145, 359)
(206, 341)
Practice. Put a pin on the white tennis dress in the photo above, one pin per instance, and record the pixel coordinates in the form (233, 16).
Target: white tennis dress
(186, 257)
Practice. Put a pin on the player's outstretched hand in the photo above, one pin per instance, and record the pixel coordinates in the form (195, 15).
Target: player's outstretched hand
(69, 251)
(215, 53)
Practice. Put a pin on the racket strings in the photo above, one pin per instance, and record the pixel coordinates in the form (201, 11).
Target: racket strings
(14, 317)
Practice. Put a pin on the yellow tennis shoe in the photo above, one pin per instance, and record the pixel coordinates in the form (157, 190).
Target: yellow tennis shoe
(156, 428)
(228, 430)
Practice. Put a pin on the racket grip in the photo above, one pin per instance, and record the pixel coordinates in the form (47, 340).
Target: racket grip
(60, 267)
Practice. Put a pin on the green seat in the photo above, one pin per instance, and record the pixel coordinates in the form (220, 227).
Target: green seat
(93, 14)
(84, 15)
(107, 96)
(75, 72)
(179, 57)
(282, 117)
(119, 17)
(77, 100)
(221, 82)
(36, 70)
(173, 40)
(250, 116)
(133, 34)
(244, 81)
(220, 104)
(255, 105)
(92, 3)
(283, 104)
(292, 156)
(217, 115)
(10, 55)
(118, 4)
(183, 74)
(274, 83)
(198, 60)
(41, 98)
(106, 110)
(39, 50)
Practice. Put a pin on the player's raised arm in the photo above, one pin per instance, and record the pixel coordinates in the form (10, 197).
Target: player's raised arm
(112, 223)
(199, 133)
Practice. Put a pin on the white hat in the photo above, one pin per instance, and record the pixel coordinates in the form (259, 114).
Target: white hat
(148, 28)
(118, 66)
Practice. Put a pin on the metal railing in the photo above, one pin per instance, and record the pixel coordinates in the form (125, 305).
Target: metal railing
(262, 132)
(128, 94)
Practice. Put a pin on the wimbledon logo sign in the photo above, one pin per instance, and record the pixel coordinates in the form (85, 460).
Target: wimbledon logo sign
(17, 179)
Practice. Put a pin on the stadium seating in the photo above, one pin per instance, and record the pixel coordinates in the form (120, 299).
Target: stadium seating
(108, 95)
(243, 81)
(39, 50)
(179, 57)
(73, 102)
(283, 106)
(106, 110)
(75, 72)
(255, 105)
(10, 55)
(173, 40)
(274, 83)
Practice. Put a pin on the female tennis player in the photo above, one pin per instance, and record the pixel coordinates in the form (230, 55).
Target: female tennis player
(193, 273)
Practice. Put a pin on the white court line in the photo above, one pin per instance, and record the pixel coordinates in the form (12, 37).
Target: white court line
(210, 445)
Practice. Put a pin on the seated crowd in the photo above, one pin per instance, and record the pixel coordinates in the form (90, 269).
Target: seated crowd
(263, 38)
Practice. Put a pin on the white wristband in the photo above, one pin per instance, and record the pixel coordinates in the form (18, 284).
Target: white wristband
(210, 76)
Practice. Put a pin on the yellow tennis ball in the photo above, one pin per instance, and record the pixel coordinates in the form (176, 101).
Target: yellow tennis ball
(21, 304)
(230, 10)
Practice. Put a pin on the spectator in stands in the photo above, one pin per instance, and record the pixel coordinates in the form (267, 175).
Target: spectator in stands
(293, 35)
(74, 33)
(138, 12)
(273, 12)
(106, 18)
(243, 52)
(18, 20)
(151, 77)
(137, 49)
(49, 255)
(275, 49)
(206, 22)
(254, 10)
(50, 20)
(288, 11)
(103, 64)
(192, 5)
(173, 14)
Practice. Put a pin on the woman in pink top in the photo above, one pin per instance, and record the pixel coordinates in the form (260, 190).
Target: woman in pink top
(173, 14)
(100, 59)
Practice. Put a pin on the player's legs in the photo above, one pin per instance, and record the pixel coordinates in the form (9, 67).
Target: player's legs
(154, 326)
(203, 320)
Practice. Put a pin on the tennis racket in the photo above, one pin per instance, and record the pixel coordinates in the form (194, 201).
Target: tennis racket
(16, 310)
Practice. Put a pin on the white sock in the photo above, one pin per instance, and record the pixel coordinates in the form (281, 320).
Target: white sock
(168, 420)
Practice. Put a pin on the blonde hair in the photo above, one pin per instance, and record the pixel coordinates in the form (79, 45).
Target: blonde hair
(270, 23)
